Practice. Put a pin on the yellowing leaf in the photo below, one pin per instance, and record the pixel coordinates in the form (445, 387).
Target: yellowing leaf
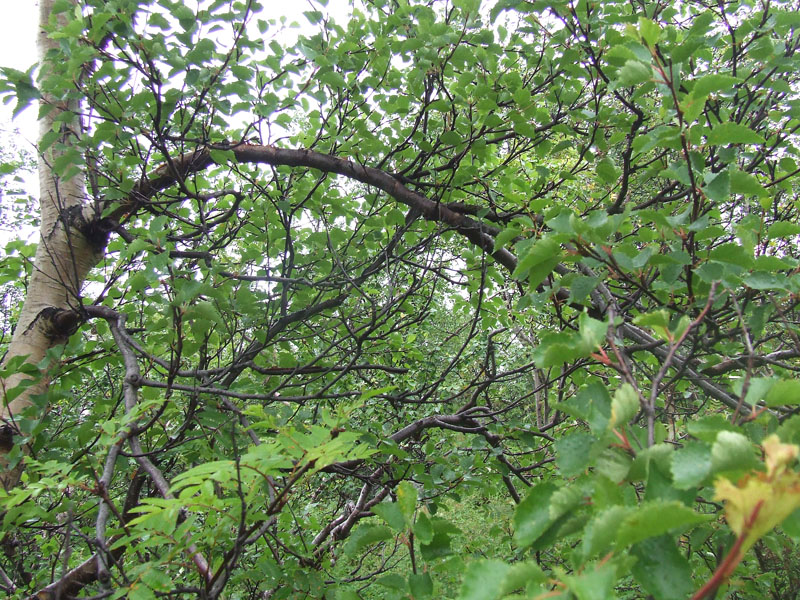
(761, 501)
(778, 455)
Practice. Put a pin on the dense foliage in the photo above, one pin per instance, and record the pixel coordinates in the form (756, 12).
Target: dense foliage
(448, 298)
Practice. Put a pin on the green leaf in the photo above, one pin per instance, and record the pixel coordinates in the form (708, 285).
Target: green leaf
(505, 236)
(733, 133)
(581, 286)
(532, 516)
(608, 171)
(451, 138)
(624, 405)
(543, 250)
(791, 524)
(366, 535)
(393, 581)
(656, 518)
(420, 585)
(440, 544)
(714, 82)
(573, 453)
(407, 500)
(733, 454)
(746, 184)
(691, 465)
(649, 30)
(367, 394)
(423, 529)
(596, 583)
(521, 575)
(781, 229)
(21, 83)
(391, 513)
(662, 570)
(760, 280)
(614, 464)
(733, 254)
(600, 533)
(718, 186)
(556, 349)
(483, 580)
(707, 428)
(592, 403)
(634, 73)
(657, 320)
(333, 79)
(784, 392)
(592, 332)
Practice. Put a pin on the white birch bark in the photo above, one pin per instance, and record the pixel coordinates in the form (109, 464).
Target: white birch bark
(63, 258)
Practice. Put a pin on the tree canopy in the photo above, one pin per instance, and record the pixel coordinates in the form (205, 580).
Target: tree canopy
(443, 299)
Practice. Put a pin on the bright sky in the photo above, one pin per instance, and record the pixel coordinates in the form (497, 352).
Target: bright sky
(18, 44)
(18, 50)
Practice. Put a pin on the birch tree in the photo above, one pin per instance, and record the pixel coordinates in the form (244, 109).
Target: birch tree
(304, 316)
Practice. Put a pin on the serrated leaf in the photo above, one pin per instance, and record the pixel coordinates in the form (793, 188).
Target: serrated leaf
(483, 580)
(624, 405)
(592, 332)
(601, 532)
(451, 138)
(365, 535)
(708, 428)
(649, 30)
(581, 286)
(532, 516)
(633, 73)
(784, 392)
(762, 500)
(393, 581)
(544, 250)
(367, 394)
(656, 518)
(614, 464)
(420, 585)
(505, 236)
(573, 453)
(596, 583)
(746, 184)
(657, 320)
(713, 83)
(781, 229)
(760, 280)
(718, 186)
(440, 544)
(608, 171)
(662, 570)
(423, 529)
(520, 575)
(733, 453)
(556, 349)
(333, 79)
(390, 512)
(733, 133)
(407, 500)
(690, 465)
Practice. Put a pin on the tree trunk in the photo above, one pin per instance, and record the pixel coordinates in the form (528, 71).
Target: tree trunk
(63, 257)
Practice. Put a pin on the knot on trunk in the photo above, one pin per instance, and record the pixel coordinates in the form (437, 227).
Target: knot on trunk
(94, 228)
(6, 437)
(57, 323)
